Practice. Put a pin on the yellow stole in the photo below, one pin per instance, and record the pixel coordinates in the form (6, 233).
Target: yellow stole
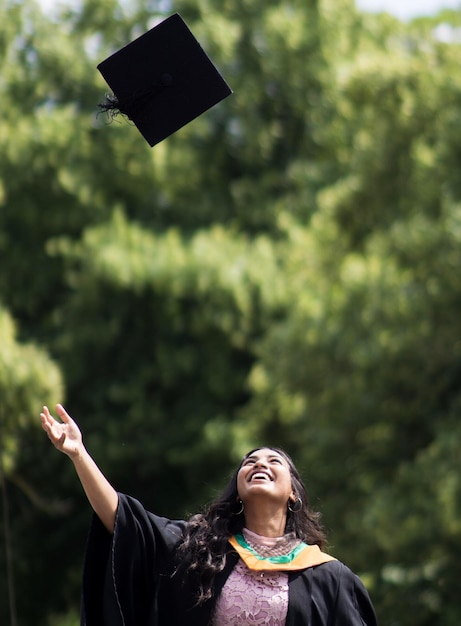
(301, 557)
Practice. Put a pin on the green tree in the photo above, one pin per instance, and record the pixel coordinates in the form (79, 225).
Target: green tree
(282, 270)
(28, 378)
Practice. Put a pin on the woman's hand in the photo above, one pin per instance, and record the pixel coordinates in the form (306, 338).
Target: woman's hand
(64, 435)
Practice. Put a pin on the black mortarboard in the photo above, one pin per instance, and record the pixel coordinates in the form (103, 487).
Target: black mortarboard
(162, 80)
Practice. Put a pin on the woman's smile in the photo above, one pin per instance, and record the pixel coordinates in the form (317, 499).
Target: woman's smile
(265, 472)
(260, 475)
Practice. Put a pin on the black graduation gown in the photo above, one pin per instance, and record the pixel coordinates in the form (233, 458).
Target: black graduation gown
(128, 581)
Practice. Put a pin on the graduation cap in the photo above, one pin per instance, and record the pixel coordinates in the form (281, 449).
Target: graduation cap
(162, 80)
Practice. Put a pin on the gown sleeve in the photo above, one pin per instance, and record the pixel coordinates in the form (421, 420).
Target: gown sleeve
(350, 604)
(122, 571)
(330, 595)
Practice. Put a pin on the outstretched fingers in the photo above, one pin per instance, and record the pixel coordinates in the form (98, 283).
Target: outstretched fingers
(52, 427)
(63, 414)
(46, 419)
(63, 432)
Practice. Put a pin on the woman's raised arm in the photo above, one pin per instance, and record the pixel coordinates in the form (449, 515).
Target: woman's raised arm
(67, 438)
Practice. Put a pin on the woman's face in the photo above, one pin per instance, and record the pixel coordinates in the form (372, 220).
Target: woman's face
(265, 473)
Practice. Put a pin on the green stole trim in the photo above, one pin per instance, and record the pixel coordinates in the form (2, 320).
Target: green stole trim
(301, 557)
(278, 560)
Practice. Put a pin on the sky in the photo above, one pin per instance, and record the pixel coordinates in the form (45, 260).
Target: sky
(407, 9)
(403, 9)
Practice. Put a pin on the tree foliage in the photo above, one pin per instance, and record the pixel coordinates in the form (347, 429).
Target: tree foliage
(283, 270)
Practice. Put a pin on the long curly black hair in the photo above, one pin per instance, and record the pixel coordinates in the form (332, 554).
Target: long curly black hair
(205, 546)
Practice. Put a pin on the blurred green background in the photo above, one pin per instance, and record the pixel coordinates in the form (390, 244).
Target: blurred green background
(284, 270)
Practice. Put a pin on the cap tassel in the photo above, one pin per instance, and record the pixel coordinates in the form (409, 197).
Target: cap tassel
(132, 105)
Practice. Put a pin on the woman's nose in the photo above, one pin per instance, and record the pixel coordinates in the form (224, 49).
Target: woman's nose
(260, 463)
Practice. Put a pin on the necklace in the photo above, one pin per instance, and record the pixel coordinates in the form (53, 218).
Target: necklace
(268, 546)
(275, 559)
(300, 557)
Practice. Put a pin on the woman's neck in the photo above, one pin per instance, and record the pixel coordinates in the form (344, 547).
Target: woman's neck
(265, 521)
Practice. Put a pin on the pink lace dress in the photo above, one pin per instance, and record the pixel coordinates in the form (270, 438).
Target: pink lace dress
(251, 598)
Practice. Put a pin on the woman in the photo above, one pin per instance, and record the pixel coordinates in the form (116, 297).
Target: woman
(254, 557)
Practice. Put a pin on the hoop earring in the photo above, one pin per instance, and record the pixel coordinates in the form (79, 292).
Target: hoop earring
(296, 506)
(242, 507)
